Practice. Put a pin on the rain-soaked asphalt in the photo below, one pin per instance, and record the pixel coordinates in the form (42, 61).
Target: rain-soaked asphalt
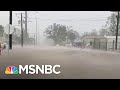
(75, 63)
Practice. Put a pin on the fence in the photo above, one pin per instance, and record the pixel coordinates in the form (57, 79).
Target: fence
(105, 45)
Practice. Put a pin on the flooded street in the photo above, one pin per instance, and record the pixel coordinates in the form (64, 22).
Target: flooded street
(75, 63)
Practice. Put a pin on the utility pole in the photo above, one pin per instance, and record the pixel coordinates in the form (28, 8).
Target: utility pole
(38, 35)
(21, 22)
(21, 31)
(36, 30)
(10, 35)
(117, 29)
(25, 26)
(34, 39)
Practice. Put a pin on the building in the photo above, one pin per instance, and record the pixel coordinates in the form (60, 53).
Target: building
(100, 42)
(94, 41)
(111, 41)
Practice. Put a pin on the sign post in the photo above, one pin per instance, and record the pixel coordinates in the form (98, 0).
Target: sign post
(9, 29)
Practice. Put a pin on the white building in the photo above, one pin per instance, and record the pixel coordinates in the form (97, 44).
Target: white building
(111, 41)
(101, 42)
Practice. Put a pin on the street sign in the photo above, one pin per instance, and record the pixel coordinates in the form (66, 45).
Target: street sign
(6, 29)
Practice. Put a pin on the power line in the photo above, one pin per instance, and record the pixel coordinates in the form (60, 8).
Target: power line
(73, 20)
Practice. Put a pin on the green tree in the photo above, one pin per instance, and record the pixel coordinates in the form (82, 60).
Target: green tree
(57, 33)
(1, 30)
(103, 31)
(85, 34)
(111, 24)
(94, 32)
(61, 33)
(72, 35)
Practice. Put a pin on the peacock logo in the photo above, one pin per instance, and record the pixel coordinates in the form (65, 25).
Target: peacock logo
(11, 70)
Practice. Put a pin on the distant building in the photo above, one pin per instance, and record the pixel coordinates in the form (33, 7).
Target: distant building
(111, 40)
(94, 41)
(100, 42)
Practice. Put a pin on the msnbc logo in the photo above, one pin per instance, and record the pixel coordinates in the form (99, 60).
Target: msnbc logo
(11, 70)
(33, 69)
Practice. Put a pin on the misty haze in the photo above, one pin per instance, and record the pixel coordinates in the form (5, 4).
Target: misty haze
(86, 44)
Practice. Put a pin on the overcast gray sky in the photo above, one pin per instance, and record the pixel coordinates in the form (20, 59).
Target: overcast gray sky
(81, 21)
